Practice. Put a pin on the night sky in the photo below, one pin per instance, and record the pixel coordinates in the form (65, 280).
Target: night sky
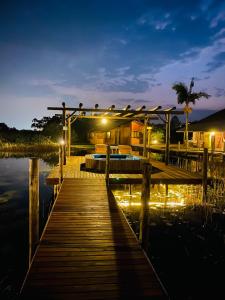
(108, 52)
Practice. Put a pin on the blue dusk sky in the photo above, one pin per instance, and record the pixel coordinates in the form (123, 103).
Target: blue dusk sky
(108, 52)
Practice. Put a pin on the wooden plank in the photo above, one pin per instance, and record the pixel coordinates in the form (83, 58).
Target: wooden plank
(166, 175)
(88, 250)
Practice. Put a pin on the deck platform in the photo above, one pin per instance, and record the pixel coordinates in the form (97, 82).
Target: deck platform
(165, 175)
(88, 250)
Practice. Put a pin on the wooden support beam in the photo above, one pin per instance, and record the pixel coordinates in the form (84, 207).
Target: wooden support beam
(33, 206)
(145, 197)
(121, 111)
(107, 165)
(145, 138)
(117, 117)
(204, 174)
(68, 136)
(64, 131)
(167, 150)
(61, 159)
(110, 109)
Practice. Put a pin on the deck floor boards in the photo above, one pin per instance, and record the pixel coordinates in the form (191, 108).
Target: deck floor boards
(166, 175)
(88, 250)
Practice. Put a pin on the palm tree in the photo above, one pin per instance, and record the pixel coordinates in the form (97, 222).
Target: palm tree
(185, 96)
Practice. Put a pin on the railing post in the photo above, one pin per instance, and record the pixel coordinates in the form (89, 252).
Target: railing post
(107, 164)
(61, 160)
(33, 206)
(145, 197)
(167, 148)
(204, 174)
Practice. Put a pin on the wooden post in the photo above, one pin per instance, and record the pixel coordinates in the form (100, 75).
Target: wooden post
(212, 147)
(55, 191)
(107, 165)
(118, 136)
(130, 189)
(145, 197)
(68, 136)
(167, 190)
(204, 174)
(149, 141)
(167, 139)
(145, 138)
(223, 154)
(61, 159)
(64, 131)
(33, 206)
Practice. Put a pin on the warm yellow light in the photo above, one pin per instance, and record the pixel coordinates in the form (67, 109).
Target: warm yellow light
(149, 127)
(154, 142)
(104, 121)
(62, 142)
(212, 133)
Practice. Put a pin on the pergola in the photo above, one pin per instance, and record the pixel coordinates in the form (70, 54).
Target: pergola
(70, 114)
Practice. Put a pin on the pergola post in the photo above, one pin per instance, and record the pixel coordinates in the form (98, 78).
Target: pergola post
(145, 137)
(68, 136)
(118, 135)
(167, 139)
(64, 130)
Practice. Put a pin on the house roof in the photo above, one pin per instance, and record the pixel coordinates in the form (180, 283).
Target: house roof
(214, 122)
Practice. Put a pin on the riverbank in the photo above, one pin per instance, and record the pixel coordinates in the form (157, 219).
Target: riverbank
(25, 147)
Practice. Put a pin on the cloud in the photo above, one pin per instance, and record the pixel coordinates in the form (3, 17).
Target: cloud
(44, 82)
(122, 70)
(220, 92)
(217, 62)
(220, 33)
(219, 18)
(158, 23)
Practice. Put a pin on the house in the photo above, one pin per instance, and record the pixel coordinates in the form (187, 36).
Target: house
(120, 132)
(209, 132)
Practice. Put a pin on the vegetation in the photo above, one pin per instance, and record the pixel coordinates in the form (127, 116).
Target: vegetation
(186, 96)
(14, 140)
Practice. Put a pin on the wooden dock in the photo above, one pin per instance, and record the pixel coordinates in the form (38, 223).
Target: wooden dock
(163, 175)
(88, 250)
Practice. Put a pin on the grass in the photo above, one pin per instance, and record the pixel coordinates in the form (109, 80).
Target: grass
(23, 147)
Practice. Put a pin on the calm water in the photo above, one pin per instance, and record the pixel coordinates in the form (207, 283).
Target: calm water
(14, 220)
(186, 240)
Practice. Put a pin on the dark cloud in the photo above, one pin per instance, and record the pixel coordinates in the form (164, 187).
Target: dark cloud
(219, 92)
(218, 61)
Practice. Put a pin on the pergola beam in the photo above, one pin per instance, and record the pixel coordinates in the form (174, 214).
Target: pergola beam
(120, 111)
(112, 117)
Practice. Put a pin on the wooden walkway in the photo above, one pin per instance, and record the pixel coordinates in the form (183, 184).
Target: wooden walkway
(165, 174)
(88, 250)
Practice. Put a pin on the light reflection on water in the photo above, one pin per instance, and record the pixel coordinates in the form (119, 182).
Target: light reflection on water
(175, 196)
(14, 220)
(186, 242)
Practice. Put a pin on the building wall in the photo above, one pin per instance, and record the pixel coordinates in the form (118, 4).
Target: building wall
(205, 139)
(136, 133)
(97, 137)
(127, 134)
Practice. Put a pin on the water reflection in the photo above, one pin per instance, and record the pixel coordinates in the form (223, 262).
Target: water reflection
(14, 198)
(185, 238)
(162, 196)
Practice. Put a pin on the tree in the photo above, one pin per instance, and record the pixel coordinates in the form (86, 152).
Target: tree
(185, 96)
(49, 126)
